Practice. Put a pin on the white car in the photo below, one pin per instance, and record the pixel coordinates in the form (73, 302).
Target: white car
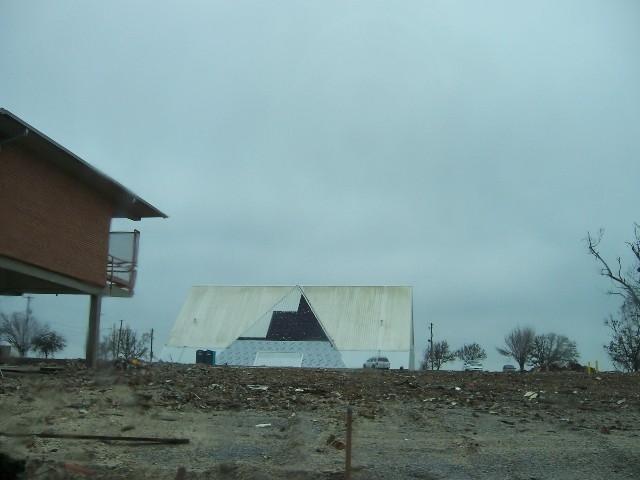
(473, 366)
(377, 362)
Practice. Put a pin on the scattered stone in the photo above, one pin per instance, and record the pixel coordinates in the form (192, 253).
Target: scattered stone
(334, 442)
(258, 387)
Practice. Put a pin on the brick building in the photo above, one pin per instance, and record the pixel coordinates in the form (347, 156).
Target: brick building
(55, 220)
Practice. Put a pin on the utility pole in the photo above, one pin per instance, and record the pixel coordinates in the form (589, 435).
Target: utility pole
(26, 331)
(151, 351)
(119, 340)
(28, 312)
(431, 345)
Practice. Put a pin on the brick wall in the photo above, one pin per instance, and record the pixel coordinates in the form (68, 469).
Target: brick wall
(51, 220)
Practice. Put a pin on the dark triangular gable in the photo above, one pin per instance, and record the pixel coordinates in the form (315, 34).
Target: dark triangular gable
(301, 325)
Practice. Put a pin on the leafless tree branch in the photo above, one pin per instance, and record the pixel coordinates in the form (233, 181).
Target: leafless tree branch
(629, 287)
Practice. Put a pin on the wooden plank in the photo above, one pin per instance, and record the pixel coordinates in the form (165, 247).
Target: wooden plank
(119, 438)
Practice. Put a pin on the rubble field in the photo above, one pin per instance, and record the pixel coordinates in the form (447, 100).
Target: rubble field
(268, 423)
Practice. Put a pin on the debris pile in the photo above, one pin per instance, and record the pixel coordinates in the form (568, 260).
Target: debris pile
(176, 387)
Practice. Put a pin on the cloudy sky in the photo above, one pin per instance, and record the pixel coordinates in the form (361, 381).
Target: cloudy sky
(464, 148)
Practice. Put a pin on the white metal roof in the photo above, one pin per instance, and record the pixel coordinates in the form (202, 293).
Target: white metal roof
(354, 317)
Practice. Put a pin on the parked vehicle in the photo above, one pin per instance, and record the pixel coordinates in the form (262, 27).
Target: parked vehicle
(377, 362)
(508, 368)
(472, 366)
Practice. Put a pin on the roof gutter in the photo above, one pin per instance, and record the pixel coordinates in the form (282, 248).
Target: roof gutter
(125, 199)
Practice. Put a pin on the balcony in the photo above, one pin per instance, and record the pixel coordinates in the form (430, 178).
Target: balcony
(122, 263)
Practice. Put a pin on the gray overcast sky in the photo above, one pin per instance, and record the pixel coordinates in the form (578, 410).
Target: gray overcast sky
(464, 148)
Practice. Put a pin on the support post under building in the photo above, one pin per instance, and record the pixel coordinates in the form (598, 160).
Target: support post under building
(93, 334)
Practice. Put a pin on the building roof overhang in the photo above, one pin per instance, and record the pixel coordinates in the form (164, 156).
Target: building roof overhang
(126, 203)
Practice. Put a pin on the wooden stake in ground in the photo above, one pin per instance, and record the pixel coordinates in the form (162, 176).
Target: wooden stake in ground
(347, 460)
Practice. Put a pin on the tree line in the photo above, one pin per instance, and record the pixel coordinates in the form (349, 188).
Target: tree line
(545, 351)
(25, 333)
(551, 350)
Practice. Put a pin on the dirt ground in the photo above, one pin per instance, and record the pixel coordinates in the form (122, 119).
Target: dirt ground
(259, 423)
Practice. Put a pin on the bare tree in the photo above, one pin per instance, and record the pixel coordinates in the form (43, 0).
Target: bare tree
(132, 346)
(441, 354)
(625, 284)
(48, 342)
(19, 330)
(123, 343)
(471, 352)
(551, 349)
(624, 347)
(107, 348)
(518, 345)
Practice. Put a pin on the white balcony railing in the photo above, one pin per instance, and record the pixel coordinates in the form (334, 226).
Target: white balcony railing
(122, 263)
